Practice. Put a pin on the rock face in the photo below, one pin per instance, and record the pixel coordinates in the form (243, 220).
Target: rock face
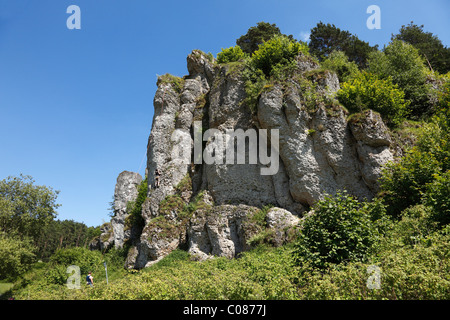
(126, 190)
(220, 209)
(117, 231)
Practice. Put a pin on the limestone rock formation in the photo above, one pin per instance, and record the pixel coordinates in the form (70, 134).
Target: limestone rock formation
(213, 209)
(117, 232)
(126, 190)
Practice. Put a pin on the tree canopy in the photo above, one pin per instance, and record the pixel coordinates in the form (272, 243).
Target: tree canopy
(25, 207)
(403, 63)
(429, 46)
(28, 228)
(326, 38)
(257, 35)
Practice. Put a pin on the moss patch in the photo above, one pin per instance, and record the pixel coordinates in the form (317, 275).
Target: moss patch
(177, 83)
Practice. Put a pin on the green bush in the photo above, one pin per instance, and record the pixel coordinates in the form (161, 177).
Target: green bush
(339, 230)
(33, 207)
(338, 62)
(56, 274)
(435, 138)
(276, 52)
(16, 256)
(405, 183)
(274, 60)
(437, 196)
(413, 228)
(231, 54)
(366, 91)
(86, 259)
(402, 183)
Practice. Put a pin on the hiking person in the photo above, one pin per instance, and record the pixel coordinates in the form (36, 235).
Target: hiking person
(90, 279)
(157, 174)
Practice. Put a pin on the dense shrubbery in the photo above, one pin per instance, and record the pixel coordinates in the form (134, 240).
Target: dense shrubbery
(408, 271)
(340, 230)
(418, 174)
(16, 256)
(273, 60)
(28, 229)
(428, 45)
(366, 91)
(437, 197)
(404, 182)
(403, 64)
(338, 62)
(276, 52)
(82, 257)
(231, 54)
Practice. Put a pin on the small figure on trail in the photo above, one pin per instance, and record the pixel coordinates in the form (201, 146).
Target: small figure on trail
(157, 174)
(90, 279)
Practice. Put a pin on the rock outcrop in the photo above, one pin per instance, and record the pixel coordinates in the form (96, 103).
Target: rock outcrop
(126, 190)
(118, 231)
(220, 209)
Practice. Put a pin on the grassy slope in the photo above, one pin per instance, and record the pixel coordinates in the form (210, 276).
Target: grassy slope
(418, 271)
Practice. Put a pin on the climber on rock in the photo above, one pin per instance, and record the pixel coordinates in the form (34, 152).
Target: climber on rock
(157, 176)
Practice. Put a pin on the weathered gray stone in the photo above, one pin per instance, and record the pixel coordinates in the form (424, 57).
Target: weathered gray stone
(373, 146)
(320, 152)
(280, 221)
(105, 240)
(219, 231)
(370, 129)
(126, 190)
(317, 148)
(279, 218)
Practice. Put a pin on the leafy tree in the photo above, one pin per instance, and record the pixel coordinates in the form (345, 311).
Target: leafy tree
(275, 53)
(29, 208)
(366, 91)
(16, 256)
(338, 62)
(257, 35)
(231, 54)
(429, 46)
(273, 59)
(403, 63)
(326, 38)
(64, 234)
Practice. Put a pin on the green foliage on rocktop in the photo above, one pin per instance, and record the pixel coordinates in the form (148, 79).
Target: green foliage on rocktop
(397, 81)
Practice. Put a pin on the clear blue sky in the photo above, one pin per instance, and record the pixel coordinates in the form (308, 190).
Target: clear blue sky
(76, 105)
